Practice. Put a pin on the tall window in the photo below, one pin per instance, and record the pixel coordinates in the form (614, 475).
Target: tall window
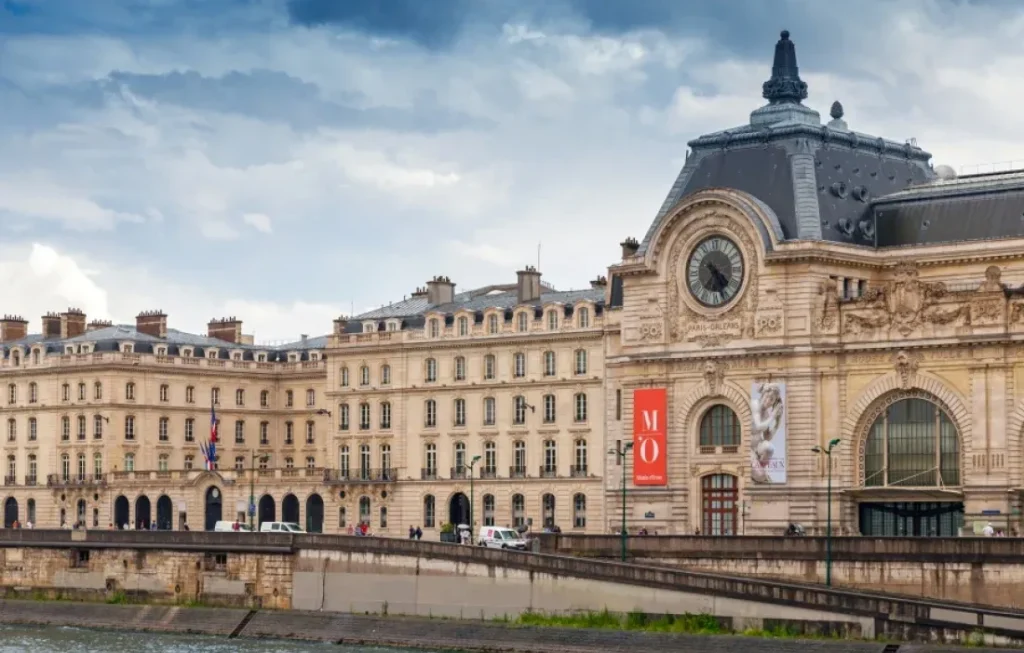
(518, 459)
(190, 429)
(239, 432)
(190, 394)
(289, 398)
(488, 510)
(460, 412)
(163, 462)
(344, 464)
(33, 429)
(65, 467)
(343, 417)
(364, 416)
(364, 462)
(33, 393)
(719, 495)
(519, 410)
(552, 320)
(289, 433)
(519, 365)
(163, 426)
(265, 399)
(518, 510)
(33, 470)
(129, 428)
(431, 370)
(12, 430)
(522, 321)
(65, 429)
(581, 361)
(239, 397)
(12, 394)
(385, 462)
(364, 509)
(580, 458)
(489, 367)
(385, 415)
(264, 433)
(913, 443)
(430, 413)
(343, 377)
(364, 375)
(463, 326)
(81, 433)
(310, 432)
(460, 368)
(490, 467)
(97, 465)
(430, 459)
(97, 390)
(549, 409)
(385, 375)
(579, 511)
(429, 510)
(549, 363)
(215, 396)
(490, 408)
(550, 458)
(583, 317)
(719, 427)
(129, 462)
(492, 324)
(434, 327)
(547, 504)
(311, 397)
(81, 392)
(460, 460)
(65, 392)
(580, 407)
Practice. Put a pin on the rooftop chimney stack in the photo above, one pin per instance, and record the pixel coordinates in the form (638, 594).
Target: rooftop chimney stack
(340, 323)
(228, 329)
(72, 323)
(13, 327)
(630, 246)
(152, 323)
(528, 285)
(51, 325)
(98, 324)
(600, 282)
(440, 290)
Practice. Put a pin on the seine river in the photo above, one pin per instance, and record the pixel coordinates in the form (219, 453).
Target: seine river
(15, 639)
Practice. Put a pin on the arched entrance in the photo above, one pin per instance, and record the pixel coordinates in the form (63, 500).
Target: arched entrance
(458, 509)
(314, 514)
(164, 513)
(912, 442)
(10, 512)
(266, 510)
(143, 513)
(719, 494)
(121, 512)
(290, 509)
(214, 507)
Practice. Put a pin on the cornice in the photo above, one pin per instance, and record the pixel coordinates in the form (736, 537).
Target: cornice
(157, 370)
(483, 342)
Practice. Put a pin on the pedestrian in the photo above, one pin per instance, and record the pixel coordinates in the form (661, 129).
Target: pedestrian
(412, 533)
(419, 533)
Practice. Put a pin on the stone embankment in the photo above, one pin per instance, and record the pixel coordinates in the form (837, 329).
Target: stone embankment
(417, 633)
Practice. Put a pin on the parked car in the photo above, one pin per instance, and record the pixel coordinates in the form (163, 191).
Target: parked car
(280, 527)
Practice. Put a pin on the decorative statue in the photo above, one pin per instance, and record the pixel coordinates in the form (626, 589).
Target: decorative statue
(766, 411)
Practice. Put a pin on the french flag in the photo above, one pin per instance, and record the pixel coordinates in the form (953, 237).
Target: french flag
(210, 450)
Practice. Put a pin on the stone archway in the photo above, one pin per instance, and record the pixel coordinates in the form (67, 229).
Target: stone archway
(266, 510)
(10, 512)
(143, 513)
(164, 513)
(214, 507)
(122, 512)
(458, 509)
(290, 509)
(314, 514)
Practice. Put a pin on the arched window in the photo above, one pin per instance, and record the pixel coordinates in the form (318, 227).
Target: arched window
(518, 510)
(912, 443)
(429, 511)
(719, 427)
(579, 511)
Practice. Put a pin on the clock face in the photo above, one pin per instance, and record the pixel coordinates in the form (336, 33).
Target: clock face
(714, 272)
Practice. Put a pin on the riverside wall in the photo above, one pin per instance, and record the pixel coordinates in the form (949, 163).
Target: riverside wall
(988, 571)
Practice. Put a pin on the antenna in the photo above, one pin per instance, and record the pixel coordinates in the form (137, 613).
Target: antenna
(538, 256)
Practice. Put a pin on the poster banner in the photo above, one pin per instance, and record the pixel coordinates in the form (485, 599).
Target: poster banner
(650, 436)
(768, 433)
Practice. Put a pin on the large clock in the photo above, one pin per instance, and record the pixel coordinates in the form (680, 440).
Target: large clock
(714, 271)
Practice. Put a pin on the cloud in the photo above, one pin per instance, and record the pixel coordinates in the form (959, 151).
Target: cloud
(258, 221)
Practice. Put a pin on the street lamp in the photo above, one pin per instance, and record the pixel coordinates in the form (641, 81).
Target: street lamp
(252, 486)
(621, 451)
(828, 524)
(472, 463)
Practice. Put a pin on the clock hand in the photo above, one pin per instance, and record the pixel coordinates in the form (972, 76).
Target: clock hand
(718, 277)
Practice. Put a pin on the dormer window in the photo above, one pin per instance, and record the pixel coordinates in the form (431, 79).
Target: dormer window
(463, 326)
(369, 327)
(523, 322)
(236, 356)
(35, 356)
(492, 324)
(161, 351)
(583, 317)
(212, 353)
(126, 348)
(69, 350)
(393, 326)
(552, 320)
(434, 327)
(293, 358)
(187, 353)
(314, 356)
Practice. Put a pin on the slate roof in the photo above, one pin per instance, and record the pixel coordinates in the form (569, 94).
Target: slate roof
(828, 182)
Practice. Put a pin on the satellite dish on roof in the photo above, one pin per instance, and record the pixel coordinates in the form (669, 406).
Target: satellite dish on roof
(945, 172)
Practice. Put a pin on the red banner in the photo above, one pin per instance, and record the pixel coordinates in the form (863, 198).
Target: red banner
(650, 435)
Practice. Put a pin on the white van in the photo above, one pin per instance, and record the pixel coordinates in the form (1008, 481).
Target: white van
(280, 527)
(229, 527)
(498, 537)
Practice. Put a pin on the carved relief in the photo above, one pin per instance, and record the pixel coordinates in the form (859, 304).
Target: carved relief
(770, 314)
(906, 367)
(903, 305)
(713, 375)
(993, 280)
(685, 321)
(650, 323)
(828, 307)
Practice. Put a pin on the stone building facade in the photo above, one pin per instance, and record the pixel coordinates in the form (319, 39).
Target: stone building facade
(812, 307)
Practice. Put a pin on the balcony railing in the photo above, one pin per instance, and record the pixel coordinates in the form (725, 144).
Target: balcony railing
(517, 471)
(10, 480)
(31, 481)
(488, 472)
(548, 472)
(578, 471)
(428, 474)
(84, 480)
(383, 475)
(460, 471)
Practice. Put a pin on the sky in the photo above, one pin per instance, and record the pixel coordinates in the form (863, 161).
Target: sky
(288, 161)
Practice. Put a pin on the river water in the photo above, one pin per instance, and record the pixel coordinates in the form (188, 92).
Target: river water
(17, 639)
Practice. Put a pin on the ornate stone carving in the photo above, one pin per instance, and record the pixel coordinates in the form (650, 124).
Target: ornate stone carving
(992, 282)
(903, 305)
(770, 315)
(688, 322)
(906, 367)
(713, 375)
(828, 306)
(649, 323)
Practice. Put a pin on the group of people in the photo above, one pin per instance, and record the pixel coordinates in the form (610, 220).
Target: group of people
(415, 533)
(359, 530)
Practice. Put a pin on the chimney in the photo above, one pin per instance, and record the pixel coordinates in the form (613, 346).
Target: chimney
(419, 292)
(72, 323)
(440, 290)
(13, 327)
(629, 247)
(528, 285)
(228, 329)
(152, 323)
(340, 323)
(98, 324)
(600, 282)
(51, 325)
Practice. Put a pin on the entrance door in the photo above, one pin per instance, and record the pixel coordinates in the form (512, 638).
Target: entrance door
(164, 513)
(121, 510)
(719, 499)
(10, 512)
(290, 509)
(458, 509)
(214, 507)
(143, 513)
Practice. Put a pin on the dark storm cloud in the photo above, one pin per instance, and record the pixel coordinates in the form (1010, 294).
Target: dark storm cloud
(430, 23)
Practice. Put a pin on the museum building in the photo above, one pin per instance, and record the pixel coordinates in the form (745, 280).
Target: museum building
(811, 307)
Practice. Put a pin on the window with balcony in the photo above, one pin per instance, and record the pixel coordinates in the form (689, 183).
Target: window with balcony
(129, 462)
(385, 461)
(289, 463)
(490, 467)
(163, 463)
(65, 467)
(344, 462)
(518, 459)
(550, 458)
(580, 407)
(190, 462)
(32, 478)
(385, 415)
(459, 469)
(430, 461)
(549, 409)
(97, 465)
(580, 466)
(239, 463)
(310, 462)
(365, 464)
(430, 414)
(549, 363)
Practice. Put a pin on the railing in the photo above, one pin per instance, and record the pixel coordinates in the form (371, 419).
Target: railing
(10, 480)
(459, 472)
(383, 475)
(517, 472)
(31, 481)
(77, 480)
(578, 471)
(428, 474)
(488, 472)
(548, 472)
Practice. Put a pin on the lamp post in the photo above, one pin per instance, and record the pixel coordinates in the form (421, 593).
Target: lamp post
(621, 452)
(252, 487)
(828, 523)
(472, 463)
